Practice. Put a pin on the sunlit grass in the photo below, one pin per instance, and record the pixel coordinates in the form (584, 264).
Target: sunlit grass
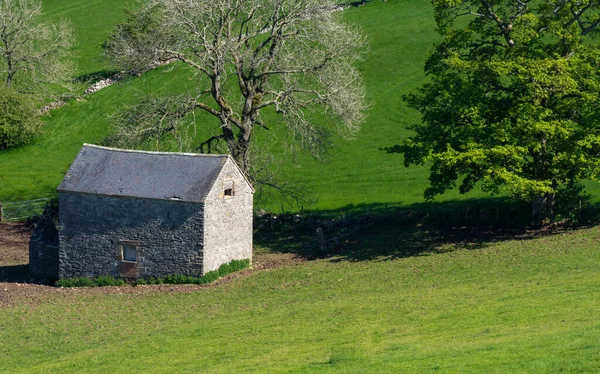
(514, 306)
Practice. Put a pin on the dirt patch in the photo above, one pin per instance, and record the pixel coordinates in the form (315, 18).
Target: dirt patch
(14, 244)
(14, 257)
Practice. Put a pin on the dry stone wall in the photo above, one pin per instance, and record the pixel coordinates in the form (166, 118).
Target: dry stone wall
(93, 230)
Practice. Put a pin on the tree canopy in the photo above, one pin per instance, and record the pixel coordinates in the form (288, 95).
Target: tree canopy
(511, 100)
(293, 56)
(33, 54)
(19, 118)
(34, 67)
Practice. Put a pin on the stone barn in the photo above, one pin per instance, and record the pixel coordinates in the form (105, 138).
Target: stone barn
(137, 214)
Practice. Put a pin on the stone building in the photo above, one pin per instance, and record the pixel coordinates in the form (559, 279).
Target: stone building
(137, 214)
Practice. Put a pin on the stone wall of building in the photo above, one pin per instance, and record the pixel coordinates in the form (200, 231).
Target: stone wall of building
(228, 219)
(93, 230)
(43, 250)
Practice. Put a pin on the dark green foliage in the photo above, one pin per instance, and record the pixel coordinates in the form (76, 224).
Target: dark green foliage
(211, 276)
(75, 282)
(178, 279)
(19, 118)
(108, 281)
(511, 103)
(232, 267)
(103, 281)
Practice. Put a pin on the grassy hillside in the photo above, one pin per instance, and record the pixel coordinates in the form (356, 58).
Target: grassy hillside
(464, 304)
(400, 34)
(92, 22)
(358, 173)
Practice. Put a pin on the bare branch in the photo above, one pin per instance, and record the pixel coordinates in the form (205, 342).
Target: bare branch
(33, 54)
(293, 55)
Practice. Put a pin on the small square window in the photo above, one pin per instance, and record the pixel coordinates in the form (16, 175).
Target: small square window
(228, 188)
(129, 253)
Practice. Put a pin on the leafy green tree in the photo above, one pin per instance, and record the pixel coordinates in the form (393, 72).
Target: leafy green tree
(511, 101)
(19, 118)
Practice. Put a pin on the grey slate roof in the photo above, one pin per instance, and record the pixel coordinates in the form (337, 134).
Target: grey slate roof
(152, 175)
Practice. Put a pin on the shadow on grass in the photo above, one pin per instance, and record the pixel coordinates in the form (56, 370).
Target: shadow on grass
(96, 76)
(382, 232)
(355, 3)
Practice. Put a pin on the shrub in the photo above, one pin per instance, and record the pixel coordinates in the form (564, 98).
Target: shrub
(108, 281)
(211, 276)
(178, 279)
(156, 281)
(75, 282)
(19, 118)
(89, 282)
(104, 281)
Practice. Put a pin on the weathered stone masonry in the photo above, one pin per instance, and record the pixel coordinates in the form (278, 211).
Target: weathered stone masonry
(228, 220)
(138, 214)
(92, 228)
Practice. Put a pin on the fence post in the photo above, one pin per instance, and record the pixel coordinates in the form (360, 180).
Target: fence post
(321, 239)
(1, 213)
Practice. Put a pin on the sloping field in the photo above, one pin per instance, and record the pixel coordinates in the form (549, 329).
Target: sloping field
(398, 301)
(400, 33)
(357, 173)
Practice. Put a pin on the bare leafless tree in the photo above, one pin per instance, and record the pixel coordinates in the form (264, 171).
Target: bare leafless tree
(33, 53)
(294, 56)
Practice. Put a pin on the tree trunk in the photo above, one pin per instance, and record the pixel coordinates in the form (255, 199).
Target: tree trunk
(239, 147)
(543, 208)
(242, 156)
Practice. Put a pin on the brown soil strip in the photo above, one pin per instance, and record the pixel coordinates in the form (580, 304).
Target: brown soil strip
(14, 252)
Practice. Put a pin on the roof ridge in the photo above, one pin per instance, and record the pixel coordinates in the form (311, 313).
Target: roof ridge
(154, 152)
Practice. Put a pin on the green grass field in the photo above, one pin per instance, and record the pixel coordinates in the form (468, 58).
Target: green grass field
(358, 172)
(400, 33)
(395, 298)
(464, 304)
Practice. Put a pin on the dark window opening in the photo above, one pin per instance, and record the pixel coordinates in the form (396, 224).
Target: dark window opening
(228, 188)
(129, 253)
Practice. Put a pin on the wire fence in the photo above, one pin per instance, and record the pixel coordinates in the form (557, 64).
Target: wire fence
(22, 210)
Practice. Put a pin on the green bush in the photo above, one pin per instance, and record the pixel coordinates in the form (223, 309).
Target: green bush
(19, 118)
(178, 279)
(104, 281)
(156, 281)
(211, 276)
(108, 281)
(75, 282)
